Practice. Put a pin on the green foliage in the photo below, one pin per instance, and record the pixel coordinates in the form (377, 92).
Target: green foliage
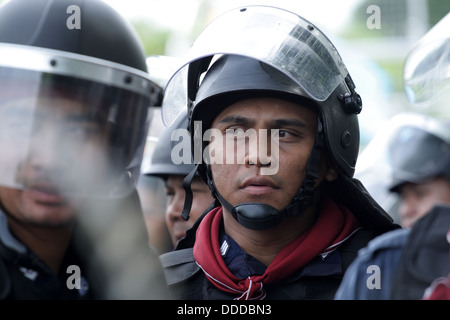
(153, 37)
(437, 10)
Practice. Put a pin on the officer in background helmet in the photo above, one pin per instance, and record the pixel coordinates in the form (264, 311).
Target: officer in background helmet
(172, 168)
(74, 100)
(407, 165)
(419, 157)
(267, 74)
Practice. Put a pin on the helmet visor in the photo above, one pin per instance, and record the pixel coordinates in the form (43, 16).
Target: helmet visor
(68, 135)
(427, 67)
(271, 35)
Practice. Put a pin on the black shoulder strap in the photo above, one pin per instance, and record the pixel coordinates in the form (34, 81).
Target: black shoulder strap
(179, 265)
(349, 250)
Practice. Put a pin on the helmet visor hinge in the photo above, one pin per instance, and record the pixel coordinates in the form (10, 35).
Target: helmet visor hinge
(352, 102)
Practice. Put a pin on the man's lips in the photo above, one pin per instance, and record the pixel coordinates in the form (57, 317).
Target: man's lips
(45, 194)
(258, 185)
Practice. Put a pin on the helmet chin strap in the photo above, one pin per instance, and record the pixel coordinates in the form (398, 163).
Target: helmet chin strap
(261, 216)
(189, 197)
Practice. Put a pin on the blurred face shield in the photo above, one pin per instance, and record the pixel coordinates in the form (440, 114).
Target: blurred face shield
(271, 35)
(427, 68)
(69, 124)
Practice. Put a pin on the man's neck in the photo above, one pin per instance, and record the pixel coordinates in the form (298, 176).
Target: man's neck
(264, 245)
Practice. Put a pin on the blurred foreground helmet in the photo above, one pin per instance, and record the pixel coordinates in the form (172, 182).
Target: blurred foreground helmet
(74, 97)
(260, 51)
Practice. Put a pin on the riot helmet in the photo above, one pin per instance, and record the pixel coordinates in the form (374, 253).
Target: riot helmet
(260, 51)
(418, 150)
(78, 94)
(168, 156)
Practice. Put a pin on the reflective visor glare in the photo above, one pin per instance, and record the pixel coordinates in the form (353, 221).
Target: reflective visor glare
(67, 135)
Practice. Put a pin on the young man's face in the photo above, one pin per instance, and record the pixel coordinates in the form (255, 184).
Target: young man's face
(419, 199)
(55, 149)
(202, 198)
(244, 181)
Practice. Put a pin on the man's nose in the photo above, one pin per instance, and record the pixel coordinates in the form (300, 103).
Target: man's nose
(175, 207)
(259, 149)
(46, 148)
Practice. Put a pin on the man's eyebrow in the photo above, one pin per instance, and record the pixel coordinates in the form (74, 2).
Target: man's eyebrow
(288, 123)
(235, 120)
(273, 123)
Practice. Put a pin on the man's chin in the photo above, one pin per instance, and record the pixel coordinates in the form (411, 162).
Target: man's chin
(52, 222)
(48, 216)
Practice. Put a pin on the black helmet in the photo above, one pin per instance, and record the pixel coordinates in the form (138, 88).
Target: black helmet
(98, 62)
(163, 163)
(263, 51)
(103, 32)
(232, 78)
(419, 150)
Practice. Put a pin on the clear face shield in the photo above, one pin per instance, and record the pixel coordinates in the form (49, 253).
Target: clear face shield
(427, 67)
(271, 35)
(69, 124)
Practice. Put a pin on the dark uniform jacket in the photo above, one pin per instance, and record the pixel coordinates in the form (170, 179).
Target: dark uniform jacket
(317, 280)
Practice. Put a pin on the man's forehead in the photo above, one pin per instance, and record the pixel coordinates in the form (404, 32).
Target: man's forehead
(270, 110)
